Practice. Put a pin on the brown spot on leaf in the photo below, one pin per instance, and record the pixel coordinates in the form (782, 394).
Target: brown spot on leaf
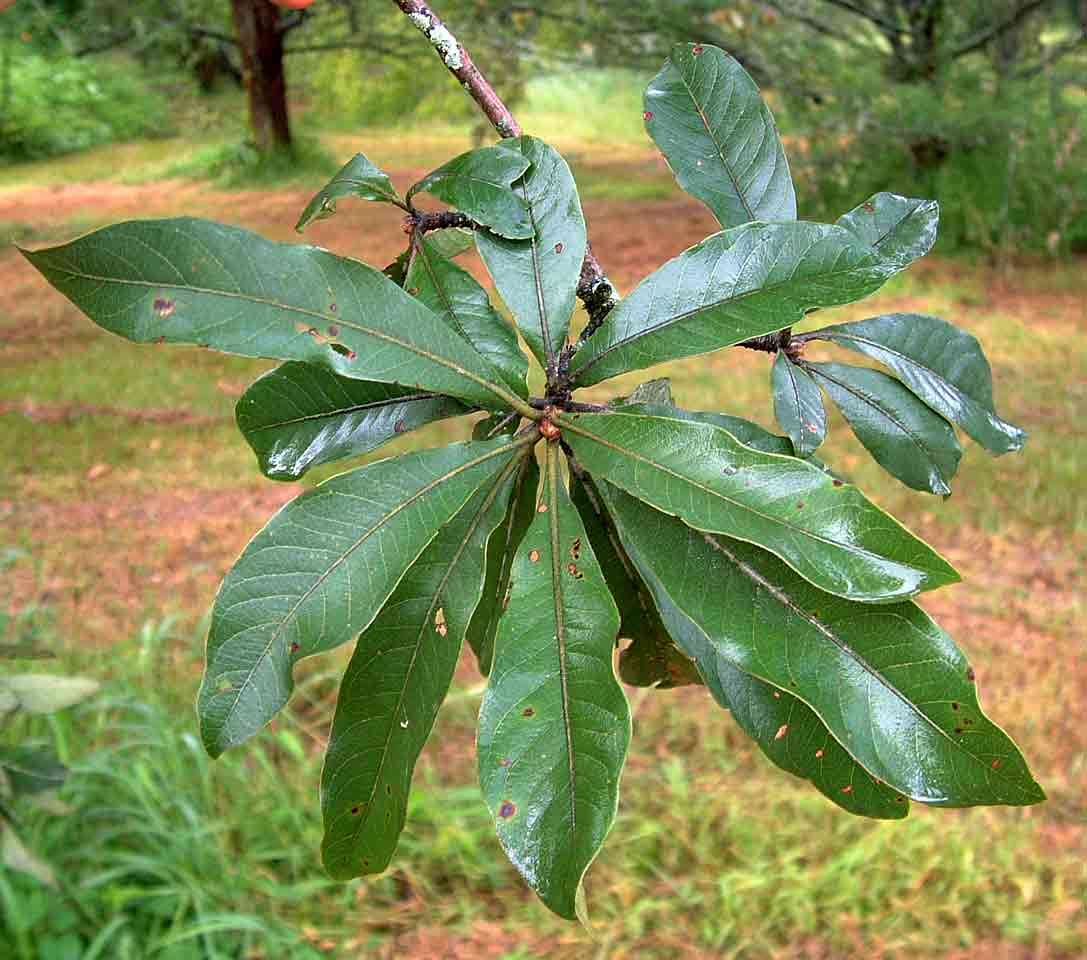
(414, 291)
(559, 247)
(819, 754)
(164, 307)
(440, 626)
(782, 730)
(295, 647)
(837, 483)
(400, 426)
(955, 706)
(505, 762)
(869, 207)
(970, 675)
(777, 695)
(356, 810)
(647, 116)
(333, 330)
(534, 556)
(343, 351)
(575, 548)
(697, 49)
(542, 508)
(333, 307)
(848, 788)
(528, 712)
(571, 568)
(995, 765)
(507, 809)
(800, 505)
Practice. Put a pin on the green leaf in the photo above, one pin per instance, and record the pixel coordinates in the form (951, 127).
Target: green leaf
(538, 278)
(823, 528)
(902, 229)
(650, 659)
(501, 549)
(319, 572)
(790, 734)
(453, 294)
(887, 682)
(903, 435)
(798, 406)
(396, 681)
(43, 692)
(742, 283)
(706, 115)
(943, 365)
(554, 724)
(299, 416)
(357, 178)
(193, 281)
(478, 183)
(748, 433)
(32, 770)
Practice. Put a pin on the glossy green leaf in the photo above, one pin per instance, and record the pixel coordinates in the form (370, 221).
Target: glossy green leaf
(650, 659)
(887, 682)
(356, 178)
(454, 295)
(501, 548)
(538, 278)
(299, 416)
(43, 692)
(31, 770)
(741, 283)
(943, 365)
(706, 115)
(554, 724)
(395, 683)
(193, 281)
(785, 728)
(748, 433)
(823, 528)
(903, 435)
(319, 572)
(902, 229)
(478, 183)
(798, 406)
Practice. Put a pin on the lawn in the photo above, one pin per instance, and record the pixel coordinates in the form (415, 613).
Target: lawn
(127, 493)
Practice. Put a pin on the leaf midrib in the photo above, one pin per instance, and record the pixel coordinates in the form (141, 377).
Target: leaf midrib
(560, 621)
(718, 146)
(633, 455)
(323, 577)
(347, 411)
(492, 388)
(916, 440)
(785, 600)
(425, 624)
(680, 317)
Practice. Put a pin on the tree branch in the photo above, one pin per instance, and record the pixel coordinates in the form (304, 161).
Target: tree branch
(978, 39)
(594, 289)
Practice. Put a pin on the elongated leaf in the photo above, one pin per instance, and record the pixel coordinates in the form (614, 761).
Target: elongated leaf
(904, 436)
(748, 433)
(43, 692)
(902, 229)
(478, 183)
(706, 115)
(538, 278)
(453, 294)
(650, 659)
(501, 549)
(741, 283)
(888, 683)
(785, 728)
(798, 406)
(320, 571)
(943, 365)
(554, 724)
(356, 178)
(193, 281)
(32, 769)
(823, 528)
(300, 416)
(396, 681)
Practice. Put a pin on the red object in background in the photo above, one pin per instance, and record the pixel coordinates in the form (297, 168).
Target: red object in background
(289, 4)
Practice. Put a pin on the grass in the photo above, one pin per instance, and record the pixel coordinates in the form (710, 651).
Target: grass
(125, 517)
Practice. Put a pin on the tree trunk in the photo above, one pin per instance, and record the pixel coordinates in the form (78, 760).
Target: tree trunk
(256, 23)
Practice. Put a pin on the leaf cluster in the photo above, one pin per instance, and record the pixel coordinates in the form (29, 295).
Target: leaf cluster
(720, 554)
